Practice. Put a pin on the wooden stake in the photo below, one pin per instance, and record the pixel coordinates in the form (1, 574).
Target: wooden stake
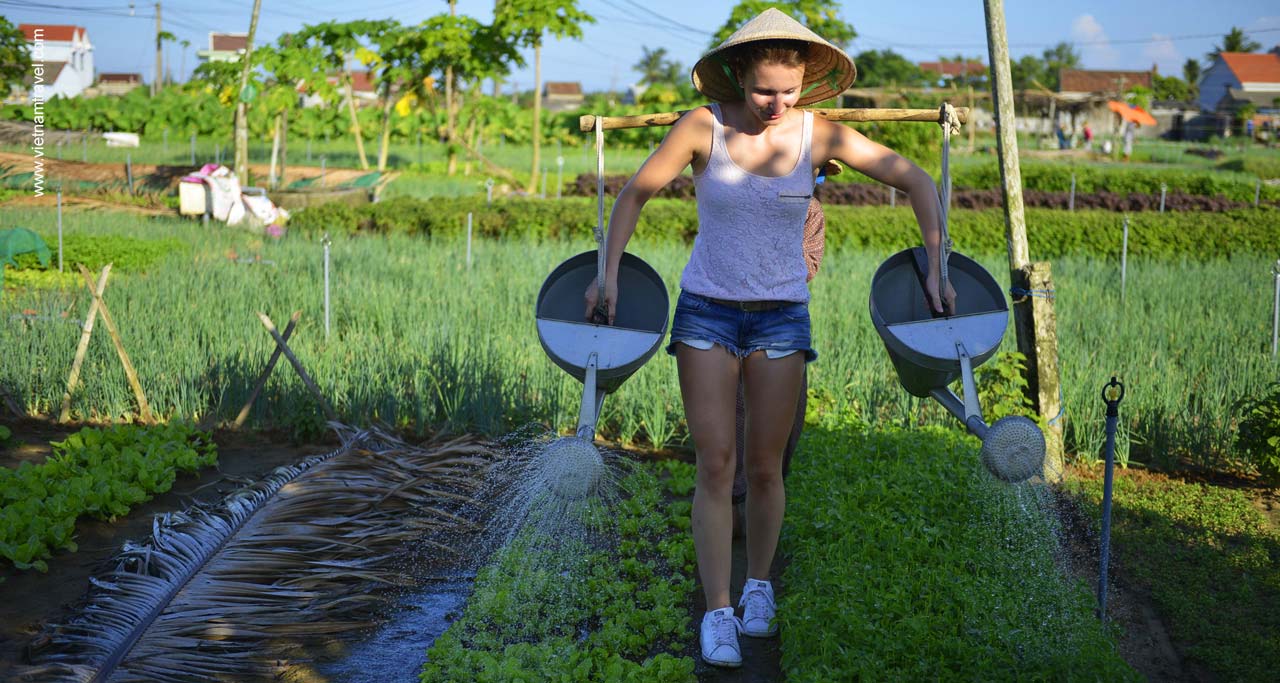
(306, 379)
(266, 373)
(129, 372)
(1043, 379)
(11, 403)
(587, 123)
(85, 333)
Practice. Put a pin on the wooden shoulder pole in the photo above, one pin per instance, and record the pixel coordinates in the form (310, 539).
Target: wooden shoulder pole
(587, 123)
(1033, 317)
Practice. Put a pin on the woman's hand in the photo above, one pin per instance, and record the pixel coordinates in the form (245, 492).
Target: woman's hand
(948, 297)
(610, 306)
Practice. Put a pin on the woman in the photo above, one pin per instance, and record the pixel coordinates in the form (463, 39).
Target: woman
(743, 311)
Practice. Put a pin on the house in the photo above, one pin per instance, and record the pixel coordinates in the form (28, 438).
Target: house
(363, 89)
(117, 83)
(1083, 95)
(224, 47)
(961, 73)
(61, 61)
(562, 95)
(1247, 72)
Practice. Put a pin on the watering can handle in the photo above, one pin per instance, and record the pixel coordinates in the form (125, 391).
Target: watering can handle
(920, 263)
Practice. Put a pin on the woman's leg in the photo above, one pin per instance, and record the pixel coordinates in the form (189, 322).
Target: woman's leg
(708, 382)
(772, 393)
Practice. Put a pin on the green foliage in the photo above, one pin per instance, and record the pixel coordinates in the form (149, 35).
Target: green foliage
(99, 473)
(1054, 233)
(1002, 388)
(5, 435)
(549, 609)
(126, 254)
(886, 68)
(1056, 177)
(1207, 557)
(1259, 432)
(927, 568)
(820, 16)
(15, 57)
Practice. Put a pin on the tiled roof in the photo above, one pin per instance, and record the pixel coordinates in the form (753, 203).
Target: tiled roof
(954, 68)
(119, 78)
(58, 32)
(50, 76)
(226, 42)
(1252, 67)
(1082, 80)
(563, 88)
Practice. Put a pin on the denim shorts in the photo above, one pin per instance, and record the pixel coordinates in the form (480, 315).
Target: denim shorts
(701, 323)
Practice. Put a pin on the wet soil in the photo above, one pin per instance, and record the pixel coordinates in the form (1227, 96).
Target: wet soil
(29, 599)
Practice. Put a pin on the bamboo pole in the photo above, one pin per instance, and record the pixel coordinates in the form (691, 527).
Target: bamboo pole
(85, 333)
(266, 373)
(129, 372)
(11, 403)
(293, 360)
(587, 122)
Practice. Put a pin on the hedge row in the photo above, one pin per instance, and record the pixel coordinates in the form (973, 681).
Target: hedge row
(1051, 233)
(1037, 177)
(875, 194)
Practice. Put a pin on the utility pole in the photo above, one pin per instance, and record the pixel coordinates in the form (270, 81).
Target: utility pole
(242, 115)
(155, 82)
(1034, 320)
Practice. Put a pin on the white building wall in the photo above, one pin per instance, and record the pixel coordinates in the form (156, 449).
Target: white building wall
(1214, 84)
(78, 72)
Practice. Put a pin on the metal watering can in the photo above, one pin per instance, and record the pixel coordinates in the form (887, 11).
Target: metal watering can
(929, 352)
(600, 356)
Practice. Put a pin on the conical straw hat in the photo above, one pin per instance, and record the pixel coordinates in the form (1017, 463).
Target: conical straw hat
(828, 70)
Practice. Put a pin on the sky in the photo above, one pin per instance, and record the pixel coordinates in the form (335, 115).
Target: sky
(1120, 34)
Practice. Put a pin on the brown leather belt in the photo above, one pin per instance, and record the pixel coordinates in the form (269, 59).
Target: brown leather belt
(750, 306)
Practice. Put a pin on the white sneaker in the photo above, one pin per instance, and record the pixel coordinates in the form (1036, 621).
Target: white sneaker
(719, 638)
(758, 609)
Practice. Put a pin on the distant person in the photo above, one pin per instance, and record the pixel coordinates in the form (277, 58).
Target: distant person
(1088, 136)
(1129, 129)
(1062, 135)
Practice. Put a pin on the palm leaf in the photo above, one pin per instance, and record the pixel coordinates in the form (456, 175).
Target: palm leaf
(246, 589)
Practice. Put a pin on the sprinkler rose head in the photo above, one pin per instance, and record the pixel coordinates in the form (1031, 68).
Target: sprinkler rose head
(1013, 449)
(571, 468)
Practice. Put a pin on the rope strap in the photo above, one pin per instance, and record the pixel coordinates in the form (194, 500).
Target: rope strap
(600, 245)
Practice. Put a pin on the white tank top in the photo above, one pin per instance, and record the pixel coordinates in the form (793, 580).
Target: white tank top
(750, 241)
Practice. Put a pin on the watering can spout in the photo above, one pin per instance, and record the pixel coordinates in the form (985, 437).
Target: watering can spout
(930, 352)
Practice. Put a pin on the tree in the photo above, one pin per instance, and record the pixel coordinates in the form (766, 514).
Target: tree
(820, 16)
(458, 47)
(1059, 57)
(652, 65)
(525, 22)
(1191, 73)
(338, 42)
(1234, 41)
(1025, 73)
(15, 57)
(1171, 88)
(878, 68)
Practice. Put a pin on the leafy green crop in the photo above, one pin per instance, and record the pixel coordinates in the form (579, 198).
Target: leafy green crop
(100, 473)
(1259, 433)
(562, 610)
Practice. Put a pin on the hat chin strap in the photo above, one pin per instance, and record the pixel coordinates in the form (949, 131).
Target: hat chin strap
(733, 80)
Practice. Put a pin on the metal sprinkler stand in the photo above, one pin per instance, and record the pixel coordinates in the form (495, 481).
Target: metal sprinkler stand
(1112, 394)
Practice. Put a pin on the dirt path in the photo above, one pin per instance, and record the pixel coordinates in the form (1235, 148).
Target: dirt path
(29, 599)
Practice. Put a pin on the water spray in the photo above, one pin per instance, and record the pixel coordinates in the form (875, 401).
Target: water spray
(598, 354)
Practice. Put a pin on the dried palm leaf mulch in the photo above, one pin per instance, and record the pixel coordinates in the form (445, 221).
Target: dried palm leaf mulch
(242, 591)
